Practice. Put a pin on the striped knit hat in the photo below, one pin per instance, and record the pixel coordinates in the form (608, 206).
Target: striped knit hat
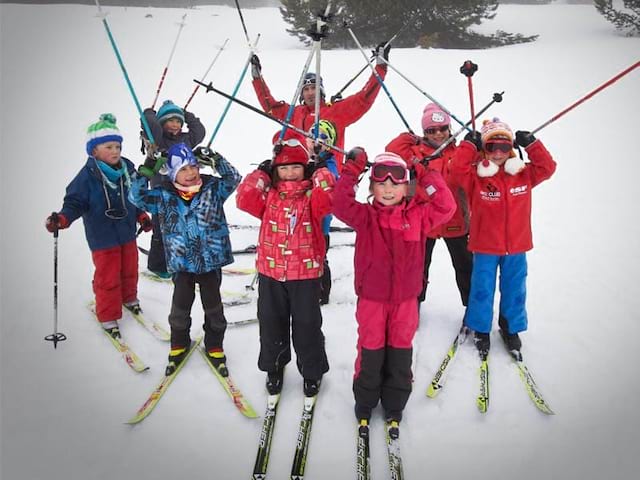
(103, 131)
(169, 110)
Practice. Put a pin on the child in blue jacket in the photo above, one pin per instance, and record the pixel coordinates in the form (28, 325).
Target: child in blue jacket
(189, 207)
(99, 193)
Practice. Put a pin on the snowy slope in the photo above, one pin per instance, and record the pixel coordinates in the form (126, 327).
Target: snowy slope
(63, 410)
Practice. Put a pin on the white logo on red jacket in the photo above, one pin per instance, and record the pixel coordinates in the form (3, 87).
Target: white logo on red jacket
(519, 190)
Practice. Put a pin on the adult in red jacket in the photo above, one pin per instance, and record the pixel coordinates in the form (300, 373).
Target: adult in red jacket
(290, 258)
(499, 185)
(341, 113)
(436, 127)
(389, 253)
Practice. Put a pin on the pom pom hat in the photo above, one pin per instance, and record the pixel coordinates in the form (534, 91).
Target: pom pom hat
(169, 110)
(434, 116)
(290, 150)
(103, 131)
(495, 130)
(178, 156)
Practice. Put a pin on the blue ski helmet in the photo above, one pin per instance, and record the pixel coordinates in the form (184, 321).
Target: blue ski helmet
(310, 79)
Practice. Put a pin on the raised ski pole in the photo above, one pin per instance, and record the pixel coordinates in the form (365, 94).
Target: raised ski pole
(205, 74)
(317, 34)
(380, 81)
(588, 96)
(211, 88)
(497, 98)
(235, 91)
(468, 68)
(296, 94)
(338, 96)
(145, 124)
(166, 68)
(427, 94)
(56, 336)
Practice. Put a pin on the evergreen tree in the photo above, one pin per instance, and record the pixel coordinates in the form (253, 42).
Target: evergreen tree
(628, 21)
(428, 23)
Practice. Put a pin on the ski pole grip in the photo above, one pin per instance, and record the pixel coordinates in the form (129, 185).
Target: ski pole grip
(55, 218)
(497, 97)
(468, 68)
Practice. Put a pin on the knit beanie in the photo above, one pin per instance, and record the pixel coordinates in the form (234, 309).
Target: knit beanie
(312, 79)
(434, 116)
(169, 110)
(287, 154)
(103, 131)
(178, 156)
(495, 129)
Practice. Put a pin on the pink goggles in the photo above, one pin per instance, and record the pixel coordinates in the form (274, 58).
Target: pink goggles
(380, 171)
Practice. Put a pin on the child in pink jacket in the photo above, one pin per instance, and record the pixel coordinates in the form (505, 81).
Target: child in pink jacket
(391, 234)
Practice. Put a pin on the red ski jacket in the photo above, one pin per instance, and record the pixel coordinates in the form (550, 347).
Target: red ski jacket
(390, 241)
(410, 147)
(501, 204)
(291, 245)
(342, 113)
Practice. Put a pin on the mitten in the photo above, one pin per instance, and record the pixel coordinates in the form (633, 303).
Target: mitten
(266, 167)
(145, 222)
(382, 53)
(56, 221)
(524, 138)
(475, 138)
(355, 161)
(256, 68)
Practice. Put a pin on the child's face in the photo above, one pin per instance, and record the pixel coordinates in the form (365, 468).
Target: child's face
(497, 156)
(172, 126)
(188, 176)
(388, 193)
(108, 152)
(437, 135)
(290, 173)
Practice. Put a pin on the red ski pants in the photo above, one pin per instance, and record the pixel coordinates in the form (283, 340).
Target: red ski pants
(115, 280)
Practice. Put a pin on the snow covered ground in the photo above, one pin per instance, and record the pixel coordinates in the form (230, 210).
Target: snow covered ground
(63, 410)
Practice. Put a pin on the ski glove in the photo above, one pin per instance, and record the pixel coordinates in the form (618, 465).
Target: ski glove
(355, 161)
(56, 221)
(475, 138)
(256, 68)
(206, 156)
(381, 52)
(524, 138)
(145, 222)
(152, 164)
(266, 167)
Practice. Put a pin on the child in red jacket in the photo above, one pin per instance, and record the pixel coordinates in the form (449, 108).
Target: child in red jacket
(499, 185)
(291, 202)
(391, 235)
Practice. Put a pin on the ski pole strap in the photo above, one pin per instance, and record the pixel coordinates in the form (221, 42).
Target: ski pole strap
(380, 81)
(588, 96)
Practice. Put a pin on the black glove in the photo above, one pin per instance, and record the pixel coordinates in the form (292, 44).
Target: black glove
(266, 167)
(206, 156)
(355, 161)
(381, 52)
(256, 68)
(524, 138)
(475, 138)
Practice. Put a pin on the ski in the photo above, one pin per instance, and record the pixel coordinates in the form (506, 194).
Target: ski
(238, 271)
(530, 384)
(439, 378)
(393, 450)
(153, 399)
(234, 392)
(156, 330)
(363, 469)
(483, 397)
(304, 435)
(266, 436)
(245, 251)
(128, 355)
(240, 323)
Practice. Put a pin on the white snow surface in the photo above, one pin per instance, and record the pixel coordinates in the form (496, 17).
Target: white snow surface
(63, 410)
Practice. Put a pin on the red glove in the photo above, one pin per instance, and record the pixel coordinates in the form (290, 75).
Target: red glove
(145, 222)
(56, 221)
(355, 161)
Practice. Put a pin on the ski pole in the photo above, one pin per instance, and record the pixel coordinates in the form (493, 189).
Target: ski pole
(244, 26)
(497, 98)
(468, 68)
(56, 336)
(205, 74)
(425, 94)
(338, 96)
(317, 35)
(166, 68)
(145, 124)
(587, 97)
(235, 91)
(380, 81)
(211, 88)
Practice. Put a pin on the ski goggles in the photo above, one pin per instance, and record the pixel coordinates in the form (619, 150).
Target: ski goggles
(504, 147)
(380, 171)
(434, 130)
(293, 142)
